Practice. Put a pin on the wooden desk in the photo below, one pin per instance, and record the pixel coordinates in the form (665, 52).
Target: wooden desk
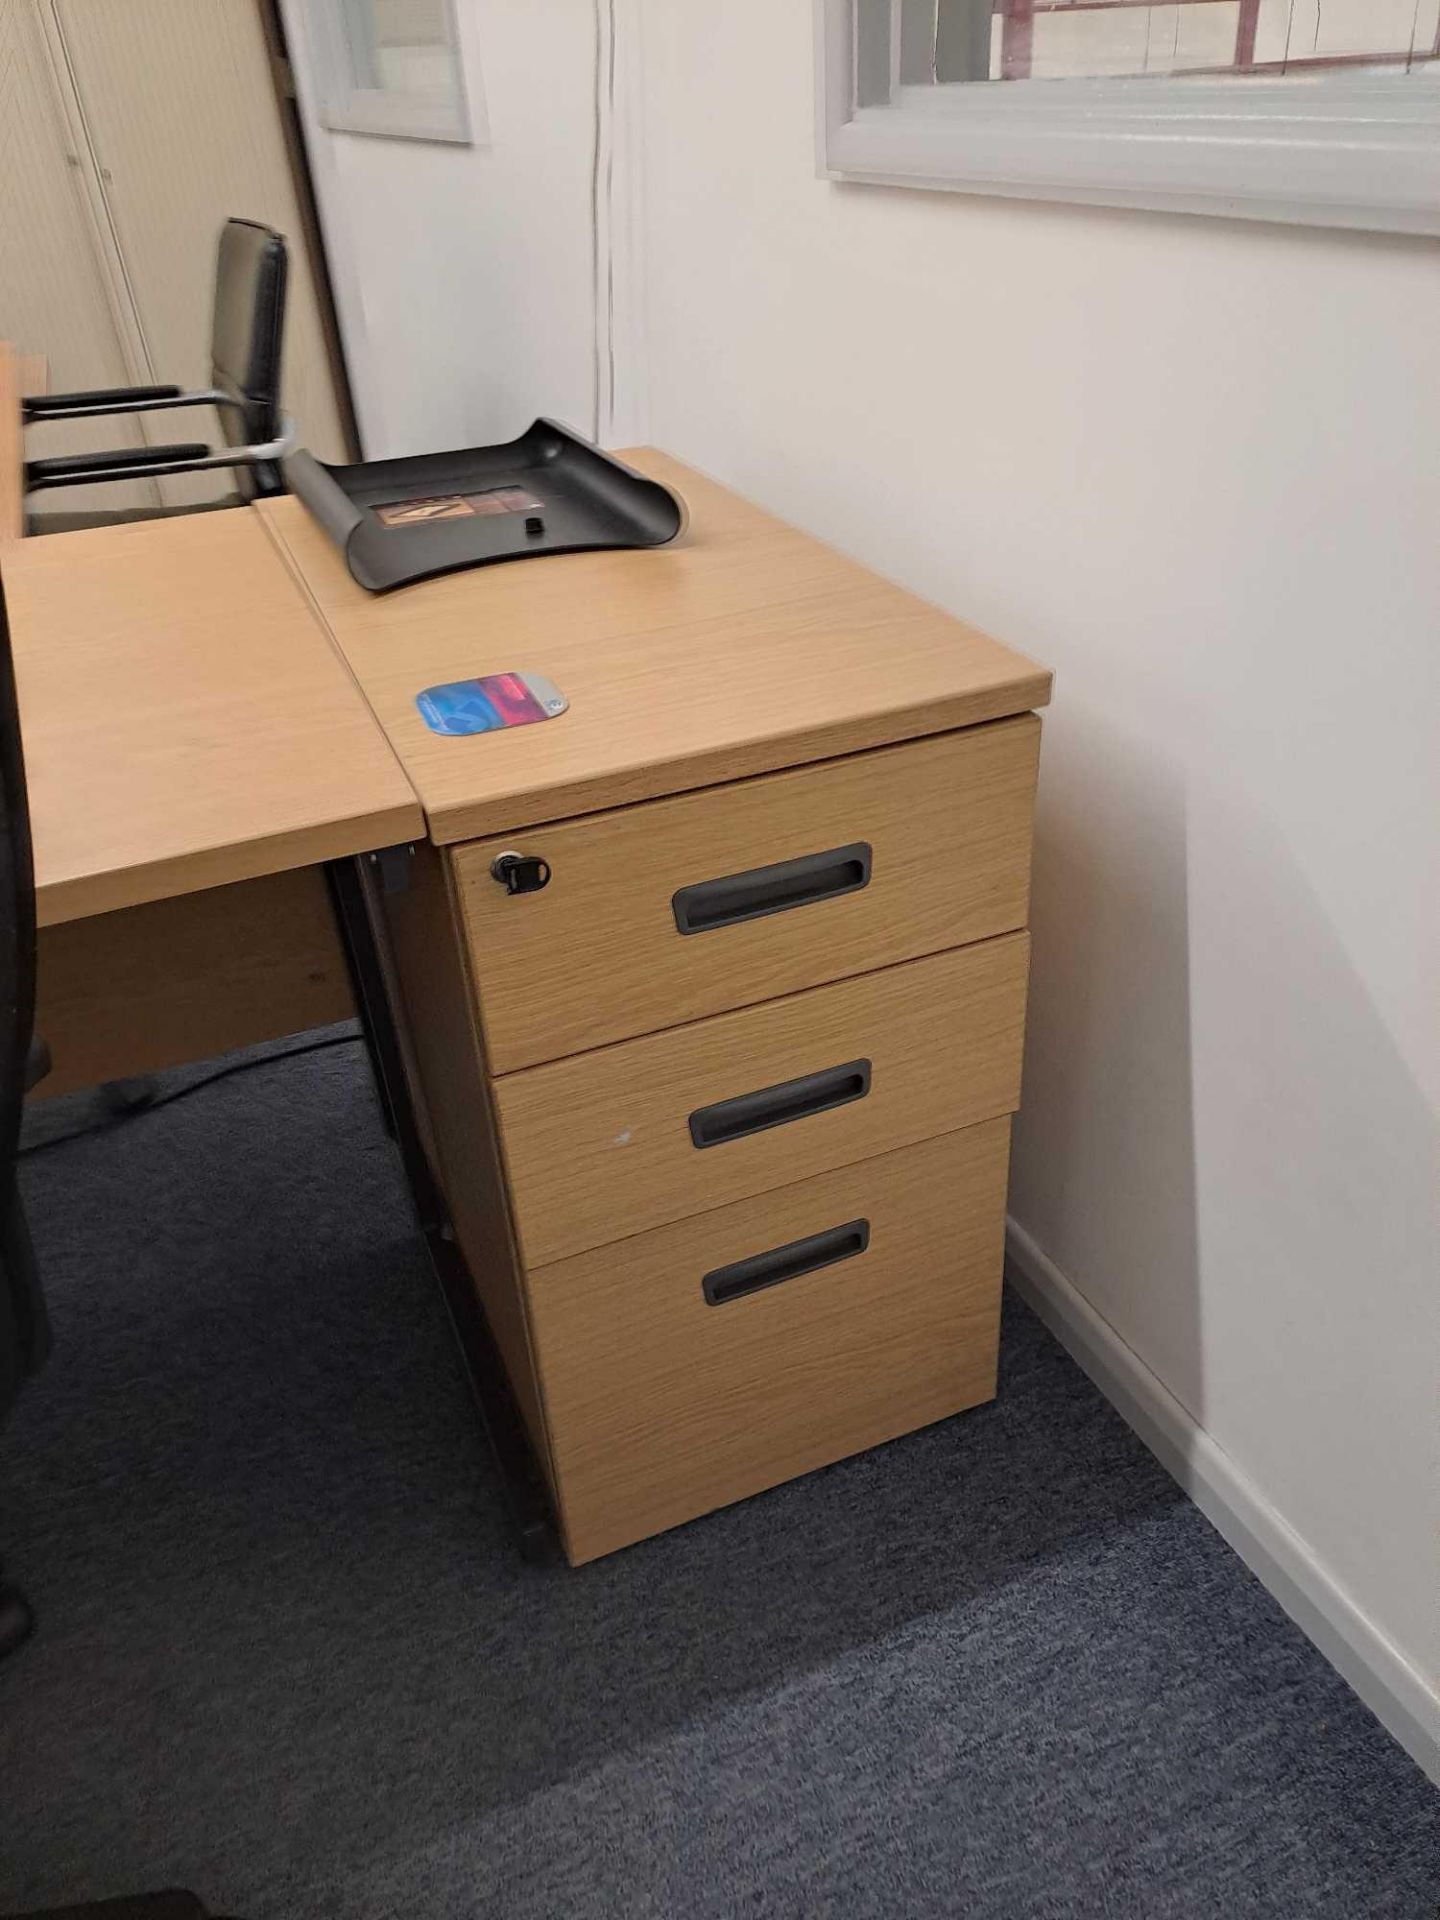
(721, 1112)
(194, 752)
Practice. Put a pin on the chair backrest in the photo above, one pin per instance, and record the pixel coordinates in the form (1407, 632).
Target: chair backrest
(24, 1334)
(246, 338)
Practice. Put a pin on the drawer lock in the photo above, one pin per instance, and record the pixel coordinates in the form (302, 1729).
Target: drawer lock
(520, 872)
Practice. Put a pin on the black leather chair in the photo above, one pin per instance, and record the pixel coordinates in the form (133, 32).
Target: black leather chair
(24, 1329)
(246, 340)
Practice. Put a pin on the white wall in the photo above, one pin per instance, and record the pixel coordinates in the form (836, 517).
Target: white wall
(463, 275)
(1192, 465)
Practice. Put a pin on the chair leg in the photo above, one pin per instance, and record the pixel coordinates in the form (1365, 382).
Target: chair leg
(17, 1622)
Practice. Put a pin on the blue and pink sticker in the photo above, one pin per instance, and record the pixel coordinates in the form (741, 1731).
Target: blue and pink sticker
(488, 704)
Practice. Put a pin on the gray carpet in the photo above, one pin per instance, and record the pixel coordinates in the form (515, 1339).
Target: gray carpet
(1000, 1669)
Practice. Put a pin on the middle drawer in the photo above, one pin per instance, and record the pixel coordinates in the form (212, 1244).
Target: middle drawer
(607, 1144)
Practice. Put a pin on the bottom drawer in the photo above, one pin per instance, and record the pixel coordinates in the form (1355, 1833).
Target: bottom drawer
(704, 1361)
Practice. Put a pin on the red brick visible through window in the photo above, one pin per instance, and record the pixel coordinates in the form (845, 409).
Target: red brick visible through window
(1245, 33)
(1017, 38)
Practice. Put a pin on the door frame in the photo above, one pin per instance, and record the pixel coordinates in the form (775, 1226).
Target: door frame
(287, 105)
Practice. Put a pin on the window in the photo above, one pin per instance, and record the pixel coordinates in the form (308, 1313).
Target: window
(390, 67)
(1325, 111)
(960, 40)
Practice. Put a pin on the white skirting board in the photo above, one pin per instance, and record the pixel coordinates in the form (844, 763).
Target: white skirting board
(1277, 1556)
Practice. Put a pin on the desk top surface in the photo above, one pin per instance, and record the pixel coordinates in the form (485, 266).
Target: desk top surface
(743, 647)
(186, 720)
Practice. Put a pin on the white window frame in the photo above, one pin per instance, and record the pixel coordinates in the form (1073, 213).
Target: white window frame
(1334, 149)
(389, 111)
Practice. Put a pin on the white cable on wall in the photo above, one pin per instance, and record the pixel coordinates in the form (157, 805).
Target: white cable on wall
(602, 214)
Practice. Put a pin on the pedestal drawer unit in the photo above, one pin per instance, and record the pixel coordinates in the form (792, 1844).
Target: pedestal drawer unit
(756, 1224)
(712, 994)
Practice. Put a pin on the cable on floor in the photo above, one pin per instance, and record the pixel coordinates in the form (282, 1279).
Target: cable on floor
(193, 1086)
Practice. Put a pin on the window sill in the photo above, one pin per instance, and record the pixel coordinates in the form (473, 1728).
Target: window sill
(397, 116)
(1343, 151)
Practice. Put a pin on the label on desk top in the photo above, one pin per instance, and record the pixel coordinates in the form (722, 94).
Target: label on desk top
(457, 506)
(490, 703)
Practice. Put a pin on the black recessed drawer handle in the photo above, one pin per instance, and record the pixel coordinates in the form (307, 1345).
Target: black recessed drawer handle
(789, 883)
(775, 1106)
(786, 1263)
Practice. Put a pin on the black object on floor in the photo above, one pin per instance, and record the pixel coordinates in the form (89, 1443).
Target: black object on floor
(397, 521)
(1000, 1669)
(173, 1903)
(17, 1622)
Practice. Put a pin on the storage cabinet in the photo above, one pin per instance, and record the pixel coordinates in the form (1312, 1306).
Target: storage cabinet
(720, 1098)
(750, 1171)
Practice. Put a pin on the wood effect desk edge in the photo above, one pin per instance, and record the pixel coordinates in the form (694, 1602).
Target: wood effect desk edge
(90, 895)
(652, 779)
(661, 779)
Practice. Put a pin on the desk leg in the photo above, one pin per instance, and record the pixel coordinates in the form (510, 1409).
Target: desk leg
(352, 886)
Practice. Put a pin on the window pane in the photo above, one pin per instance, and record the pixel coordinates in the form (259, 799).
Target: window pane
(1303, 30)
(402, 46)
(958, 40)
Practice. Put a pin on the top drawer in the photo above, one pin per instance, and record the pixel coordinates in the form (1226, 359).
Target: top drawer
(674, 909)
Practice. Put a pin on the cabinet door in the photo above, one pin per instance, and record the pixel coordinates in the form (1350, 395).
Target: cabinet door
(54, 298)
